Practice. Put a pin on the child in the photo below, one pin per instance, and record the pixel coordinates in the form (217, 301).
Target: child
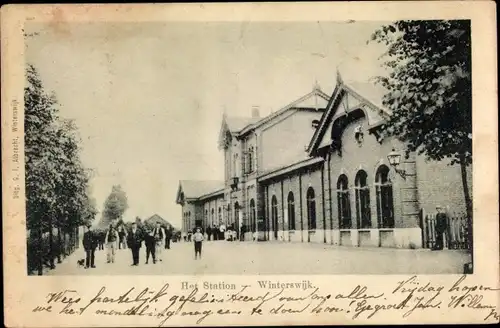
(198, 238)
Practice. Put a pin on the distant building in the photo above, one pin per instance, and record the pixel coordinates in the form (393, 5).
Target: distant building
(156, 218)
(317, 171)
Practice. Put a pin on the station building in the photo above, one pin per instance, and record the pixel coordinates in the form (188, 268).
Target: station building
(317, 171)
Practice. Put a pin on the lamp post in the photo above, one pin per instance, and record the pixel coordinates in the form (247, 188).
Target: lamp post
(394, 158)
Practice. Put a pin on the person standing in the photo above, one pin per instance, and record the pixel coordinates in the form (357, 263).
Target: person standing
(149, 240)
(441, 225)
(112, 238)
(89, 244)
(168, 237)
(121, 235)
(198, 239)
(100, 236)
(209, 233)
(159, 234)
(134, 241)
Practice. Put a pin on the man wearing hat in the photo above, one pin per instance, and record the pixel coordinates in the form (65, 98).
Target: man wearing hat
(441, 225)
(89, 244)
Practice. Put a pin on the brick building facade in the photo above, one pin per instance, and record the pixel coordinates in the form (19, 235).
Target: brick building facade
(317, 171)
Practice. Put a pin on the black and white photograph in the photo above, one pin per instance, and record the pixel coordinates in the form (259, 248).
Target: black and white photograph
(255, 164)
(338, 147)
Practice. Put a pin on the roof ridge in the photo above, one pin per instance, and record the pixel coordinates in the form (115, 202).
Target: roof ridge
(315, 91)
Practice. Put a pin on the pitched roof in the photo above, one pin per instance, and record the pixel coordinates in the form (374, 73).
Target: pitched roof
(374, 93)
(236, 124)
(316, 99)
(198, 188)
(370, 93)
(156, 218)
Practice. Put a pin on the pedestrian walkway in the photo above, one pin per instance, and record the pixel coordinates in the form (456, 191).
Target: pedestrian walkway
(222, 257)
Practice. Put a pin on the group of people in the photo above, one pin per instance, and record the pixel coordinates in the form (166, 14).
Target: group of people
(155, 239)
(214, 233)
(101, 238)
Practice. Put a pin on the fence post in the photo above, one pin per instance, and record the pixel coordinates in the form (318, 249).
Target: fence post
(422, 227)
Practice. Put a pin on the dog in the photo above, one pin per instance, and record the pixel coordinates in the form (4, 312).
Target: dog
(80, 263)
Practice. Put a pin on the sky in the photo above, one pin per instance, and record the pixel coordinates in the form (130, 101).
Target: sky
(148, 98)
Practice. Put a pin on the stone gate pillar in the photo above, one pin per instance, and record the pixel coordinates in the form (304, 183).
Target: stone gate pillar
(408, 233)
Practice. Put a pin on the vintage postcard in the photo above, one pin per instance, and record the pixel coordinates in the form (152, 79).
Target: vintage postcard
(250, 164)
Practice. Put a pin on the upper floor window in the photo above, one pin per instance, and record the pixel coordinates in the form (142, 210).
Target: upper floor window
(249, 160)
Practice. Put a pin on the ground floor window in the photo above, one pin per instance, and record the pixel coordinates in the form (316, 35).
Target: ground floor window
(344, 203)
(252, 215)
(311, 209)
(363, 211)
(236, 215)
(385, 204)
(274, 215)
(291, 211)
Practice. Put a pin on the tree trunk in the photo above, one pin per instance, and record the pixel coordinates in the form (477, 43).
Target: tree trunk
(40, 248)
(60, 245)
(468, 203)
(77, 238)
(51, 244)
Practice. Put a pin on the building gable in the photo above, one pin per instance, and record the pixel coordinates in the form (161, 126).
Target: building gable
(346, 99)
(315, 100)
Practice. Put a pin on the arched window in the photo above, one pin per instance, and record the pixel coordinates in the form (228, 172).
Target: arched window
(344, 203)
(385, 205)
(252, 215)
(362, 200)
(274, 215)
(311, 209)
(291, 211)
(220, 216)
(212, 218)
(189, 220)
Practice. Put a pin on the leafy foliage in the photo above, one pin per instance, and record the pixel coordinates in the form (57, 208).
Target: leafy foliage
(429, 86)
(56, 180)
(430, 90)
(57, 183)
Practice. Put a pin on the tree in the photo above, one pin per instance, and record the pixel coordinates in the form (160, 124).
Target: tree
(115, 205)
(56, 181)
(429, 90)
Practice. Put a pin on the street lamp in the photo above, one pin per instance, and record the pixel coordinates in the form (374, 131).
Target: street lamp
(394, 159)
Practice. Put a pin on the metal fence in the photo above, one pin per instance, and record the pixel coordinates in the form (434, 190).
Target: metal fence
(455, 237)
(42, 255)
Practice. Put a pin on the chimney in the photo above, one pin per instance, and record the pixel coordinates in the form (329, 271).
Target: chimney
(255, 112)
